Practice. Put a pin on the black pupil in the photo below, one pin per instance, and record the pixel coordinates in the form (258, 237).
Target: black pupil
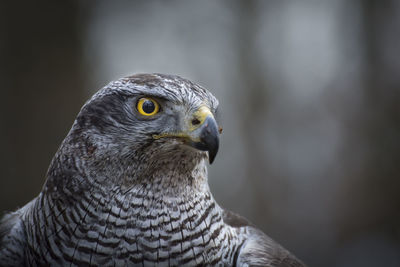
(148, 106)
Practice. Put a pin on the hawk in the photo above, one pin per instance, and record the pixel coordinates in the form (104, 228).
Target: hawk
(128, 187)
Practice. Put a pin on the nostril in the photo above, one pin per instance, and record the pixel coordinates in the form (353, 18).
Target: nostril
(195, 121)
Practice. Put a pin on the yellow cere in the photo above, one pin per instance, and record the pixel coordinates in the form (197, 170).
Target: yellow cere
(201, 114)
(143, 110)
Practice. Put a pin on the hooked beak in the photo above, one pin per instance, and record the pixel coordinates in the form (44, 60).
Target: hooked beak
(206, 138)
(201, 132)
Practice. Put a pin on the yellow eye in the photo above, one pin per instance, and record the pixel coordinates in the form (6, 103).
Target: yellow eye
(147, 106)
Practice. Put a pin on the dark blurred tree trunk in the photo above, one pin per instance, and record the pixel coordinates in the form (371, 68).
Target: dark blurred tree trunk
(42, 90)
(377, 208)
(382, 108)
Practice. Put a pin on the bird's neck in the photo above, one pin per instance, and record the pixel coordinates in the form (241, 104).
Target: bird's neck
(174, 178)
(164, 182)
(182, 172)
(156, 184)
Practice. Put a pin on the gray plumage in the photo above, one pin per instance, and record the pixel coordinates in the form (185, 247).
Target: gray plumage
(127, 189)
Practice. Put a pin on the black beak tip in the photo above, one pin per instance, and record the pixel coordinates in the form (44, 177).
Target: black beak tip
(212, 152)
(211, 155)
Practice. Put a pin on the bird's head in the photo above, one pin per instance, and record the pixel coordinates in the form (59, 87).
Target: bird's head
(144, 123)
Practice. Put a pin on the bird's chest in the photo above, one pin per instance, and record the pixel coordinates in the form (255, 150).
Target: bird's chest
(140, 232)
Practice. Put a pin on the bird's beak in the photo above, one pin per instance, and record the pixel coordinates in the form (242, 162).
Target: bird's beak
(206, 137)
(200, 132)
(203, 132)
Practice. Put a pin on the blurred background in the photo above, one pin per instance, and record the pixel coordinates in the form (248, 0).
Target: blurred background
(309, 93)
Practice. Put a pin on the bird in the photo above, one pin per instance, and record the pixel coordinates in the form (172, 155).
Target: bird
(128, 186)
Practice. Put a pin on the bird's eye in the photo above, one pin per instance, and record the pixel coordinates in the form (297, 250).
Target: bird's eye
(147, 106)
